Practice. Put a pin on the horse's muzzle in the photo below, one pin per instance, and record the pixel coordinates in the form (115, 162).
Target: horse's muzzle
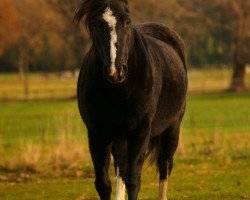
(116, 74)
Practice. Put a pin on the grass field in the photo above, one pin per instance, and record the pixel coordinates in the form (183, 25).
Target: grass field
(44, 153)
(41, 86)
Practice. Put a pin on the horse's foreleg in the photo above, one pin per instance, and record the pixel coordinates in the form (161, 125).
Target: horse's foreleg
(100, 153)
(137, 145)
(167, 147)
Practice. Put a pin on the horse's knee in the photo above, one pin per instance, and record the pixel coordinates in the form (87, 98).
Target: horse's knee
(103, 187)
(132, 180)
(102, 183)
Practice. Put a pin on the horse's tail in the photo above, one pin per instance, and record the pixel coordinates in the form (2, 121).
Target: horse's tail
(153, 150)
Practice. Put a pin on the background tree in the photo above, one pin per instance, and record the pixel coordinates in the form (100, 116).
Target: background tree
(216, 32)
(76, 37)
(241, 51)
(233, 19)
(8, 24)
(37, 31)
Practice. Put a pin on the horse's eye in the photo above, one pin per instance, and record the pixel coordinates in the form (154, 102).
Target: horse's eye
(126, 22)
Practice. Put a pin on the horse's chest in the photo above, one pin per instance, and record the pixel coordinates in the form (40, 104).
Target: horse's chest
(116, 114)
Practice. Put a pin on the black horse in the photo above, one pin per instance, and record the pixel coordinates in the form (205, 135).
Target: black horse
(131, 95)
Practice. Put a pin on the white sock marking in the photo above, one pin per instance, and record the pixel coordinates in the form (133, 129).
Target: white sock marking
(120, 187)
(163, 186)
(111, 20)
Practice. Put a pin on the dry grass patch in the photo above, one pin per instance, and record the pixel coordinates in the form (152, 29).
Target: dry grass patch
(67, 154)
(66, 157)
(29, 157)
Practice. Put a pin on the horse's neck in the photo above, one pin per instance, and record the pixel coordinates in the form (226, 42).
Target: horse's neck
(139, 59)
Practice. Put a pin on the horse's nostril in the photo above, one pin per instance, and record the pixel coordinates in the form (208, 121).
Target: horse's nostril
(122, 70)
(115, 74)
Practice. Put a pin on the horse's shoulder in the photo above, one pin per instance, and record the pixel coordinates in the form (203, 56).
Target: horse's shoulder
(166, 35)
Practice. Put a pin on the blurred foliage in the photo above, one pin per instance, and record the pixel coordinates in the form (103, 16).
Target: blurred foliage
(43, 32)
(8, 23)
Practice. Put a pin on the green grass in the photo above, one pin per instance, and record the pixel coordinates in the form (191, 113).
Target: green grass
(35, 120)
(202, 179)
(221, 113)
(46, 189)
(44, 154)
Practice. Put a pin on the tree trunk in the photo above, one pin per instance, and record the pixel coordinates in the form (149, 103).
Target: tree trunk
(238, 83)
(240, 55)
(24, 72)
(20, 67)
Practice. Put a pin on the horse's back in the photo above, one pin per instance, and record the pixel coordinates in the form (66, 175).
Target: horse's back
(166, 35)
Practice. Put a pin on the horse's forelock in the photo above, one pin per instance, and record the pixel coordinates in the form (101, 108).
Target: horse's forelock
(90, 8)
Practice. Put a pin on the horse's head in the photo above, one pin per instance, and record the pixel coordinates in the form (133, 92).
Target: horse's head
(109, 25)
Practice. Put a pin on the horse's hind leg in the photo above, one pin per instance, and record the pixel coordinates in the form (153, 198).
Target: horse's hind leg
(100, 153)
(119, 152)
(167, 147)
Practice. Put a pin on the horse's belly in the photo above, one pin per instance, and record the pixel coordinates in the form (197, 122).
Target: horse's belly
(169, 110)
(161, 123)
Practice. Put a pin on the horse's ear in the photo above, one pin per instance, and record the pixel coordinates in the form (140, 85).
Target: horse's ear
(80, 13)
(124, 1)
(126, 5)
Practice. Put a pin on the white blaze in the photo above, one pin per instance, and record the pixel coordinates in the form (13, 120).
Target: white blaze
(111, 20)
(120, 187)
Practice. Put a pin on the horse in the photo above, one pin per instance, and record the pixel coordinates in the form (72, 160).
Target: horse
(131, 95)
